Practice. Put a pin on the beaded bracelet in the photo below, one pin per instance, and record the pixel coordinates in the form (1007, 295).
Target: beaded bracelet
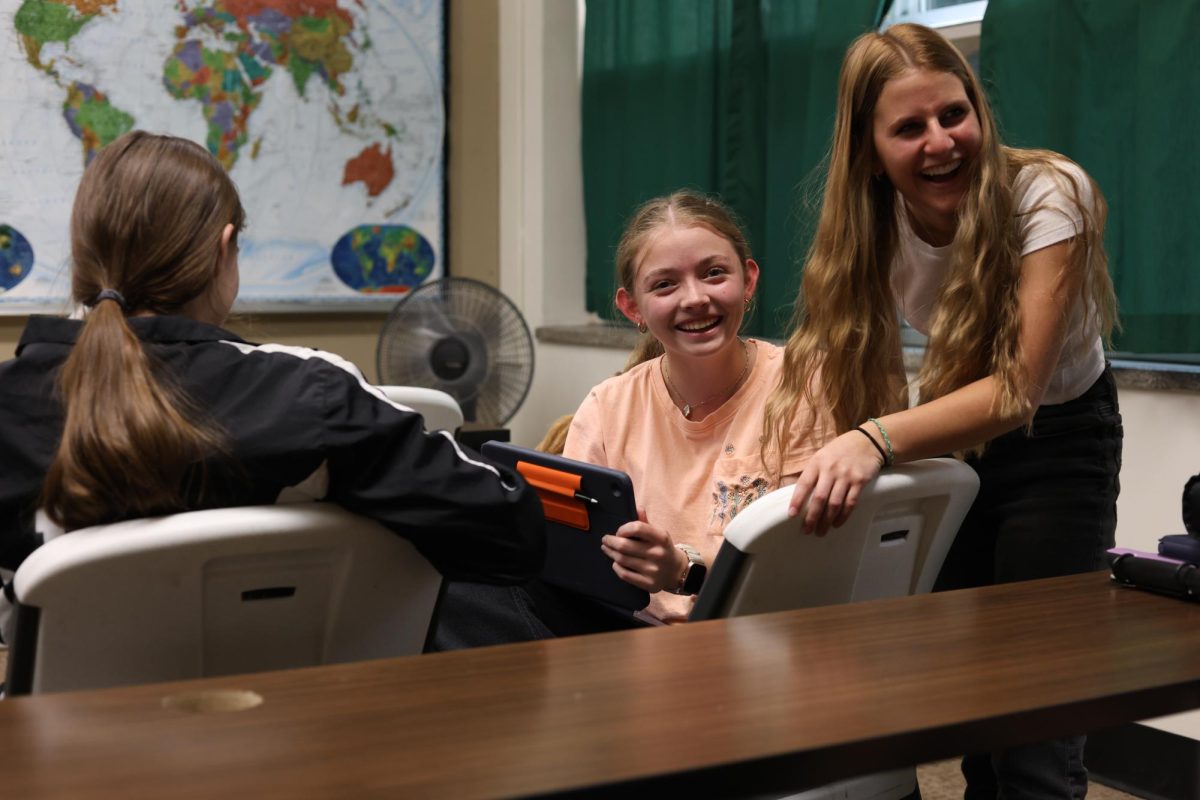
(891, 453)
(875, 444)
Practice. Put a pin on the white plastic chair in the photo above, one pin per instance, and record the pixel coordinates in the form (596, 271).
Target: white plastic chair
(891, 546)
(216, 592)
(440, 410)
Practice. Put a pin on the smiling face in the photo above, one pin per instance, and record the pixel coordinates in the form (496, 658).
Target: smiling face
(927, 137)
(690, 289)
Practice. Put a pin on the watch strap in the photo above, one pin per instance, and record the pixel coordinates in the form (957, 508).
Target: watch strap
(693, 575)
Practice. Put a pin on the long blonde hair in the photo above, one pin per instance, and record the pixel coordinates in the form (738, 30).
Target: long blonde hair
(846, 341)
(147, 222)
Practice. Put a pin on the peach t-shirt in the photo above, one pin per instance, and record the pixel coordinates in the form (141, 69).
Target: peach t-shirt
(692, 478)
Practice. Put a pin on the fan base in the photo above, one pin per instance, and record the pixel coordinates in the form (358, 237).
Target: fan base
(474, 437)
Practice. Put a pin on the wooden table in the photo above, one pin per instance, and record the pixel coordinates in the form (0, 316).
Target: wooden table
(752, 704)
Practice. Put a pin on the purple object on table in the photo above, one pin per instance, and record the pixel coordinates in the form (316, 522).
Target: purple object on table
(1125, 551)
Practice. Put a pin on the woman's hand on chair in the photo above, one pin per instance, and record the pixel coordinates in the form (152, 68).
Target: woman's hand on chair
(644, 555)
(832, 481)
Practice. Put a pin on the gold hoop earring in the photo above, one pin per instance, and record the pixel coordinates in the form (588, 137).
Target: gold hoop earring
(642, 328)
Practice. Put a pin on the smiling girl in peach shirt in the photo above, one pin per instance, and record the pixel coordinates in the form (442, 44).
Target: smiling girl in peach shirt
(686, 422)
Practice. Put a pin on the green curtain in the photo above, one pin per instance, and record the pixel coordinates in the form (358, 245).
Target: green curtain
(1113, 85)
(733, 97)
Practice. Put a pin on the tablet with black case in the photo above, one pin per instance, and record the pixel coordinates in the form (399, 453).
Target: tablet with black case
(582, 502)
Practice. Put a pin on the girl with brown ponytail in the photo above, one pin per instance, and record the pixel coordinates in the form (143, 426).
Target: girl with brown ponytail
(145, 406)
(997, 255)
(152, 232)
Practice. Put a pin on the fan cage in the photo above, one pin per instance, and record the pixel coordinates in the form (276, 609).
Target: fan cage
(499, 370)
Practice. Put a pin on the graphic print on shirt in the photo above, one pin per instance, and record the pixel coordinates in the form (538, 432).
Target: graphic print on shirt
(730, 499)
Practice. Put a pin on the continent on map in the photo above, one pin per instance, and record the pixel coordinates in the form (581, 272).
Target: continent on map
(16, 257)
(89, 114)
(304, 37)
(42, 21)
(382, 258)
(193, 72)
(93, 119)
(317, 46)
(373, 167)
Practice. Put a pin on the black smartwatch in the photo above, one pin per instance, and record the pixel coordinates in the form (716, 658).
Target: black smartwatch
(693, 574)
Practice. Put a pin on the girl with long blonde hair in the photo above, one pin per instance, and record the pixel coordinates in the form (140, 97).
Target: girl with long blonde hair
(996, 254)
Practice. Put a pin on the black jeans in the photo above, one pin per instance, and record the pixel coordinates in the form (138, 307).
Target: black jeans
(478, 615)
(1047, 506)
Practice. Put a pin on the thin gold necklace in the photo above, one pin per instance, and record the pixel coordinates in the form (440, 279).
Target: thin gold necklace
(728, 391)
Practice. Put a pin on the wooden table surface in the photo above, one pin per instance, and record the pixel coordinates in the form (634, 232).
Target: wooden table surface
(751, 704)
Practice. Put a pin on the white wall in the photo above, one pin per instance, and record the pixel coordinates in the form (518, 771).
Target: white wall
(563, 378)
(542, 267)
(542, 235)
(1162, 450)
(542, 246)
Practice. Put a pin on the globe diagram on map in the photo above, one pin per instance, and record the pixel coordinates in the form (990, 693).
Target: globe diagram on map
(383, 258)
(16, 257)
(328, 115)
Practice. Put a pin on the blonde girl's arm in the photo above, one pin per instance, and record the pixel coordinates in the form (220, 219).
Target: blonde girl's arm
(642, 554)
(645, 555)
(834, 477)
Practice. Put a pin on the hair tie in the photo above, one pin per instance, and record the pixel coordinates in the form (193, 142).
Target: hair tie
(111, 294)
(878, 448)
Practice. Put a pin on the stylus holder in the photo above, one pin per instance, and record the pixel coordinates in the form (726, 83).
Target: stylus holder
(559, 493)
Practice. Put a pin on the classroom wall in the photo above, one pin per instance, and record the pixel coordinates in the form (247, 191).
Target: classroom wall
(10, 332)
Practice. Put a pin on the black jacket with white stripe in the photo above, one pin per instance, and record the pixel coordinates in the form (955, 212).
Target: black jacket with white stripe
(300, 424)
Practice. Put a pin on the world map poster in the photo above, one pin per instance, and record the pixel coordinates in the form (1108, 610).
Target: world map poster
(328, 114)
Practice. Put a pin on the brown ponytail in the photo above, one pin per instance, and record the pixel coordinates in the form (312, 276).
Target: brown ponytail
(147, 223)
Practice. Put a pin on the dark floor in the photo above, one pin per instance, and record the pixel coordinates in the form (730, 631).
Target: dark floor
(942, 781)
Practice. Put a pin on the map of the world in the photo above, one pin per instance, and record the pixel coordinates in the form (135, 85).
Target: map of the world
(328, 115)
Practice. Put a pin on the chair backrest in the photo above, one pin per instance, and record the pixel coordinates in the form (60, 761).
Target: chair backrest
(217, 592)
(892, 545)
(440, 410)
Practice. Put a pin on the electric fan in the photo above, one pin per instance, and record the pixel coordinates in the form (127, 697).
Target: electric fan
(465, 338)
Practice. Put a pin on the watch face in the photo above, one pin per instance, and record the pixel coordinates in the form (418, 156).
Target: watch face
(695, 579)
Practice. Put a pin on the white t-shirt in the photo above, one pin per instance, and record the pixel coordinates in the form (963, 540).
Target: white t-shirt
(919, 269)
